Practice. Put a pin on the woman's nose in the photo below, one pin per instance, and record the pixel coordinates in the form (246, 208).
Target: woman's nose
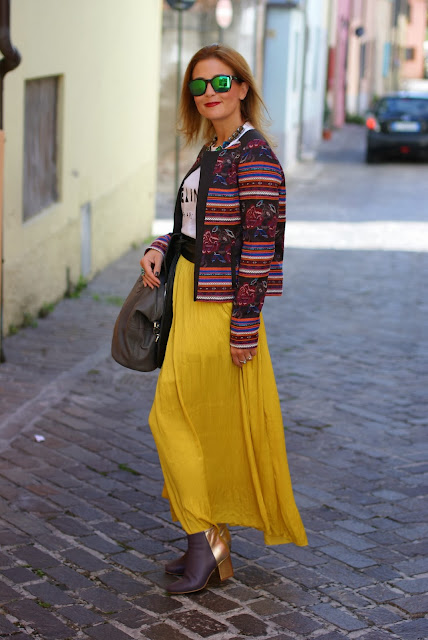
(209, 90)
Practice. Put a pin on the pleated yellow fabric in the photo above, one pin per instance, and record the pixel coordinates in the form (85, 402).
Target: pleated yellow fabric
(218, 429)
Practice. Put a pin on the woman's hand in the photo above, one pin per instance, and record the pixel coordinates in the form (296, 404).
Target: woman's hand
(241, 356)
(151, 262)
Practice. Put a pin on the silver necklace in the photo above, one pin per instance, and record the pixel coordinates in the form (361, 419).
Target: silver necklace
(234, 135)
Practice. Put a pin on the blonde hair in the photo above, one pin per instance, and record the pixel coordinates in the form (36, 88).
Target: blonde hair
(191, 124)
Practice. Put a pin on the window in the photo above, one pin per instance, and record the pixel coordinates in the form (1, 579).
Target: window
(40, 145)
(409, 53)
(386, 59)
(363, 59)
(401, 7)
(397, 107)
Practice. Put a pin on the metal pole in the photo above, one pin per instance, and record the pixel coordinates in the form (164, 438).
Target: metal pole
(177, 137)
(303, 84)
(180, 6)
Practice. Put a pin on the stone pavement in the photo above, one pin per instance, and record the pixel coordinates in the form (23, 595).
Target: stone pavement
(84, 532)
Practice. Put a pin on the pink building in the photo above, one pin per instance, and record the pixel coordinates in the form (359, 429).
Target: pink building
(373, 46)
(413, 62)
(337, 56)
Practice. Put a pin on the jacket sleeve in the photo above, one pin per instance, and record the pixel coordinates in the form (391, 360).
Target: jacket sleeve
(160, 244)
(260, 180)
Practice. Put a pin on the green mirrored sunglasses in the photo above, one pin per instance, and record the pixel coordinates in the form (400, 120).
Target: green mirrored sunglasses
(220, 84)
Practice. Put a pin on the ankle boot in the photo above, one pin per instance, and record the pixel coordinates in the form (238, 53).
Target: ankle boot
(176, 567)
(207, 551)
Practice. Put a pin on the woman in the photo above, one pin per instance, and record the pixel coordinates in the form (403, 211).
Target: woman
(216, 418)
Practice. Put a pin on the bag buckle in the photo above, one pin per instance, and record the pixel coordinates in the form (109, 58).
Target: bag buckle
(156, 330)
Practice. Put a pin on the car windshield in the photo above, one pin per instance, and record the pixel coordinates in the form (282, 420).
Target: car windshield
(417, 107)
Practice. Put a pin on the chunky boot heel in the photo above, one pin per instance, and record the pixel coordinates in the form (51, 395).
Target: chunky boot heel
(176, 567)
(225, 569)
(207, 551)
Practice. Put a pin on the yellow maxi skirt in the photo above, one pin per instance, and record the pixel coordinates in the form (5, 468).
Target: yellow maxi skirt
(218, 428)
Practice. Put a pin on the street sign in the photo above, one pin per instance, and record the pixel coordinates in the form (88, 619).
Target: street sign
(224, 13)
(181, 5)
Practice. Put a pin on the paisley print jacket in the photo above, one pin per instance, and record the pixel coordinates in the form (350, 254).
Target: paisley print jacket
(240, 222)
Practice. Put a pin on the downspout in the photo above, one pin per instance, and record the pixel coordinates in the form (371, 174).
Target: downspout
(260, 43)
(303, 85)
(10, 61)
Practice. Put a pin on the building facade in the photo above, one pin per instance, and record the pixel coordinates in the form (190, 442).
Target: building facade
(184, 33)
(374, 46)
(338, 21)
(80, 118)
(285, 44)
(416, 33)
(295, 57)
(369, 62)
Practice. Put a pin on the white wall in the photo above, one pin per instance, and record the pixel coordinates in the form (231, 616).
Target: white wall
(283, 78)
(315, 75)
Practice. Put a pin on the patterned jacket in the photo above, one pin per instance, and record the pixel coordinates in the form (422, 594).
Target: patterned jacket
(240, 222)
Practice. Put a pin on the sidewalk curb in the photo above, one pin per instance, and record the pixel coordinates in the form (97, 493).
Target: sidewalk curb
(22, 420)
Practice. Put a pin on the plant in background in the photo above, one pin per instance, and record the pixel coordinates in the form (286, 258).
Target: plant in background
(76, 290)
(326, 116)
(327, 125)
(46, 309)
(116, 300)
(354, 118)
(29, 320)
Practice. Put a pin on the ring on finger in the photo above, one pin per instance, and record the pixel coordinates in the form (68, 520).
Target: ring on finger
(242, 361)
(250, 357)
(142, 271)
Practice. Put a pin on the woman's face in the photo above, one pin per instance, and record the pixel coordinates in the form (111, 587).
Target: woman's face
(219, 107)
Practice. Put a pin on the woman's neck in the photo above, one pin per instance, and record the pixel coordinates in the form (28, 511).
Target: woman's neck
(223, 131)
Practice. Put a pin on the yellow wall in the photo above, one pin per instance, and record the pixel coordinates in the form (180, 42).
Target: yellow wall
(108, 54)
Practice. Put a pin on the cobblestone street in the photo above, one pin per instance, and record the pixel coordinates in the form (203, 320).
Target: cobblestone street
(84, 532)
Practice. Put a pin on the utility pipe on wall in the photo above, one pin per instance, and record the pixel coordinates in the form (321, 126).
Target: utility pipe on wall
(10, 61)
(303, 83)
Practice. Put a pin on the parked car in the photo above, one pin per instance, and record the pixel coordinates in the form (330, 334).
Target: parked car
(398, 126)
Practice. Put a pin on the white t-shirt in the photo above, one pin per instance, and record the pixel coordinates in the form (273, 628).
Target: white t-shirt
(189, 194)
(189, 199)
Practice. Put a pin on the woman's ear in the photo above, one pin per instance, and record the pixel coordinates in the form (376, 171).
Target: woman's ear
(243, 90)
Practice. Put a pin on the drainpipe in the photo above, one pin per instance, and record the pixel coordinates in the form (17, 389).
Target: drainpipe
(177, 99)
(303, 84)
(9, 62)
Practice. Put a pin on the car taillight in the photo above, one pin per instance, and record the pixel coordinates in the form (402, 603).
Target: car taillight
(372, 123)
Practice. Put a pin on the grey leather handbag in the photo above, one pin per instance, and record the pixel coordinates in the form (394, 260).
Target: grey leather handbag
(141, 331)
(137, 328)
